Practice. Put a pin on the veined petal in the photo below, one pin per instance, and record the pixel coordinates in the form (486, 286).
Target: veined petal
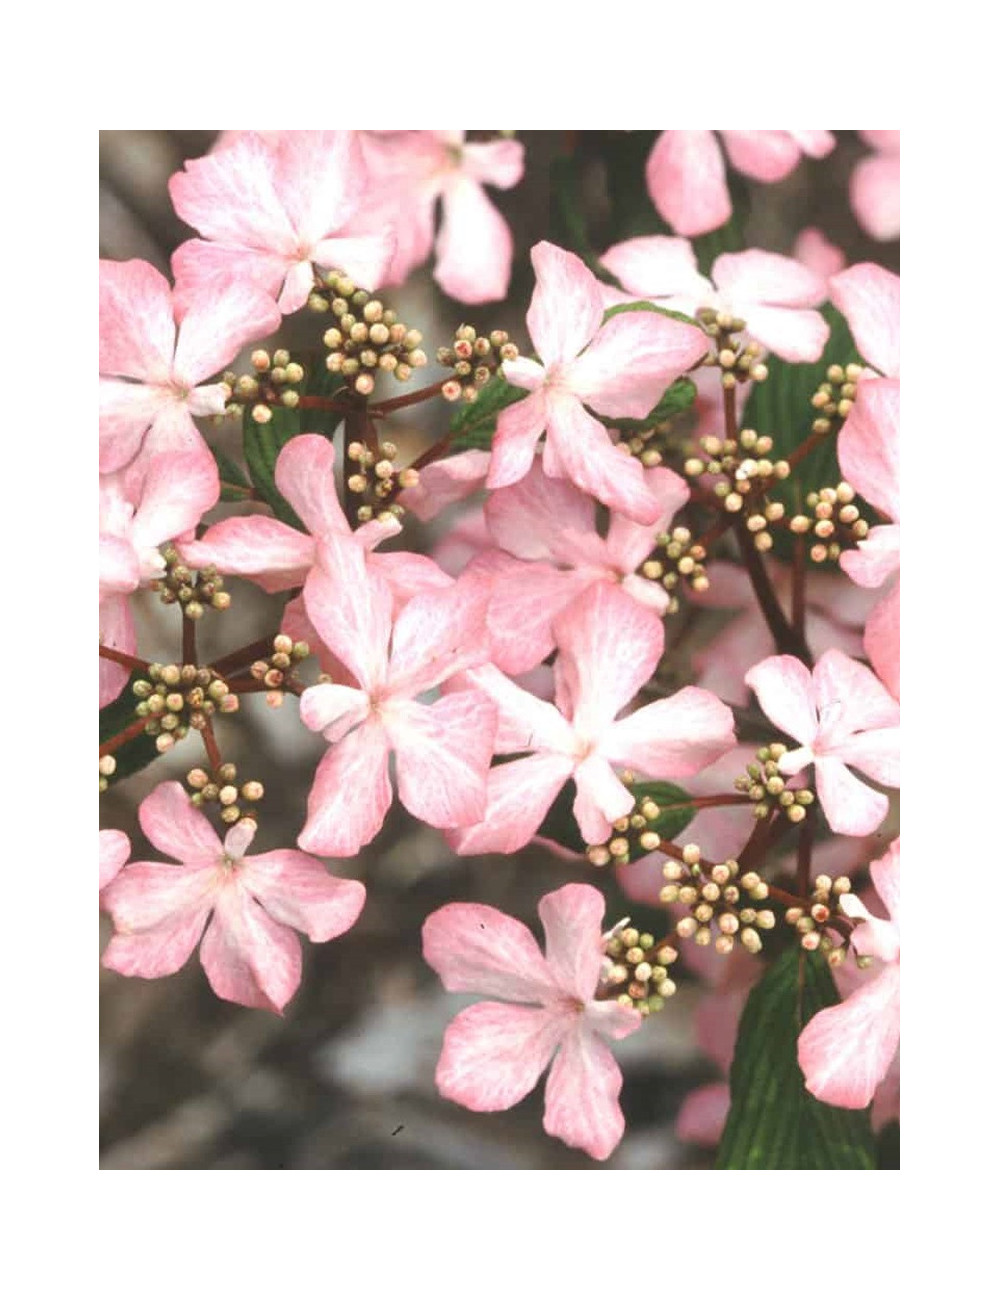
(118, 567)
(439, 633)
(257, 547)
(523, 720)
(117, 631)
(868, 445)
(519, 426)
(784, 688)
(657, 266)
(574, 947)
(768, 279)
(478, 949)
(851, 807)
(350, 794)
(216, 325)
(474, 247)
(443, 753)
(868, 295)
(581, 1095)
(578, 447)
(791, 333)
(493, 1055)
(296, 889)
(672, 738)
(875, 753)
(351, 608)
(231, 197)
(532, 518)
(524, 600)
(333, 709)
(177, 829)
(876, 559)
(633, 359)
(248, 957)
(686, 175)
(126, 411)
(518, 795)
(444, 482)
(159, 911)
(137, 321)
(320, 178)
(849, 698)
(203, 270)
(177, 490)
(566, 307)
(882, 640)
(630, 543)
(114, 851)
(303, 473)
(845, 1051)
(365, 258)
(601, 798)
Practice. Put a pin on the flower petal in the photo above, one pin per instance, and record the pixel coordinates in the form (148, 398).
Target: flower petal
(581, 1096)
(633, 359)
(350, 794)
(579, 447)
(851, 807)
(303, 474)
(702, 1116)
(784, 688)
(493, 1055)
(296, 889)
(247, 957)
(686, 175)
(231, 197)
(868, 445)
(177, 829)
(601, 799)
(630, 543)
(868, 295)
(114, 851)
(257, 547)
(478, 949)
(574, 947)
(657, 266)
(216, 325)
(159, 912)
(518, 796)
(519, 426)
(443, 753)
(439, 633)
(845, 1051)
(351, 608)
(566, 306)
(474, 247)
(672, 738)
(137, 321)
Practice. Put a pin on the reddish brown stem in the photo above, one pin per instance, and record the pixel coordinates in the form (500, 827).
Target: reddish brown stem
(211, 747)
(189, 640)
(804, 856)
(131, 731)
(236, 659)
(127, 661)
(786, 639)
(378, 409)
(799, 587)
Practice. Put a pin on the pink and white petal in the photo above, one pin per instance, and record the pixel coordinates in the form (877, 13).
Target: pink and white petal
(702, 1116)
(208, 399)
(444, 482)
(874, 753)
(845, 1051)
(686, 175)
(518, 796)
(851, 807)
(767, 278)
(574, 947)
(296, 889)
(216, 326)
(784, 688)
(524, 601)
(303, 473)
(523, 720)
(789, 333)
(493, 1055)
(815, 251)
(407, 574)
(630, 543)
(249, 958)
(566, 306)
(257, 547)
(816, 144)
(885, 873)
(126, 411)
(350, 794)
(162, 896)
(498, 162)
(600, 800)
(474, 247)
(320, 178)
(519, 426)
(581, 1095)
(114, 848)
(578, 447)
(850, 698)
(439, 633)
(203, 270)
(296, 287)
(874, 192)
(868, 295)
(296, 624)
(763, 155)
(231, 197)
(443, 753)
(882, 641)
(672, 738)
(532, 518)
(868, 445)
(173, 431)
(657, 266)
(608, 648)
(647, 593)
(333, 709)
(160, 949)
(117, 567)
(611, 1020)
(177, 829)
(117, 630)
(365, 258)
(136, 321)
(632, 360)
(876, 559)
(351, 608)
(478, 949)
(524, 373)
(176, 492)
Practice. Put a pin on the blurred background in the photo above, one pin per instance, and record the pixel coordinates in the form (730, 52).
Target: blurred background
(346, 1078)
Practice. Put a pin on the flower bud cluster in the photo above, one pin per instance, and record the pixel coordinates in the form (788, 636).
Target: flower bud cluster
(174, 698)
(676, 558)
(221, 786)
(765, 786)
(835, 398)
(650, 446)
(278, 669)
(366, 338)
(747, 473)
(718, 895)
(636, 969)
(193, 591)
(738, 362)
(633, 836)
(107, 767)
(833, 519)
(474, 358)
(275, 381)
(376, 480)
(809, 923)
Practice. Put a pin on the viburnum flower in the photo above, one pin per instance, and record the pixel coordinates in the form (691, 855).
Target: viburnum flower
(267, 211)
(874, 187)
(841, 715)
(551, 552)
(686, 170)
(442, 750)
(775, 295)
(277, 557)
(410, 171)
(114, 851)
(249, 951)
(495, 1052)
(153, 500)
(156, 353)
(627, 366)
(609, 647)
(445, 482)
(846, 1051)
(868, 297)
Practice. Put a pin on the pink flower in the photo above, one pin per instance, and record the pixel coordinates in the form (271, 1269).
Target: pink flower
(847, 1050)
(874, 186)
(445, 482)
(814, 250)
(153, 500)
(686, 170)
(249, 952)
(442, 750)
(775, 295)
(609, 647)
(267, 211)
(868, 297)
(552, 552)
(841, 715)
(624, 371)
(411, 170)
(114, 851)
(495, 1052)
(155, 357)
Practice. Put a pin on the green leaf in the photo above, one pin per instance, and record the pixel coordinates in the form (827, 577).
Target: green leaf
(560, 824)
(473, 424)
(645, 305)
(261, 445)
(774, 1123)
(229, 471)
(137, 753)
(676, 810)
